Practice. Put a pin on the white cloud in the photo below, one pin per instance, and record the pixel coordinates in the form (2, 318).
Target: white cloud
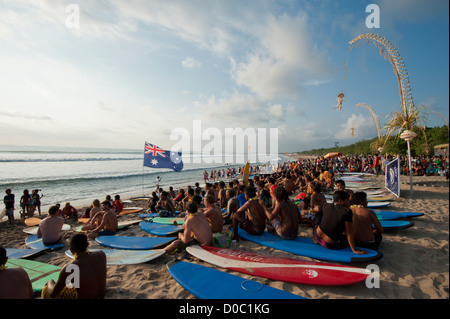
(363, 128)
(284, 61)
(190, 63)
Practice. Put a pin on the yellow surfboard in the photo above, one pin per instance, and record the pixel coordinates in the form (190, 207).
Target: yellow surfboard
(246, 173)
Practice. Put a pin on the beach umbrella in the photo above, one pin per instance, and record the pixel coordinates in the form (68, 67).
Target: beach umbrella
(331, 155)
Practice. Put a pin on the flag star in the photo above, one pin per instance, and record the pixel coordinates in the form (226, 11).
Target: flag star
(154, 162)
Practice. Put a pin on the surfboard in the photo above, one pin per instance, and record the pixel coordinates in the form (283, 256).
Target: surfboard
(126, 257)
(168, 220)
(246, 173)
(19, 253)
(148, 215)
(369, 204)
(369, 199)
(159, 229)
(32, 221)
(357, 173)
(34, 230)
(3, 212)
(141, 198)
(131, 210)
(389, 225)
(280, 269)
(133, 243)
(390, 215)
(36, 243)
(302, 246)
(208, 283)
(120, 225)
(39, 273)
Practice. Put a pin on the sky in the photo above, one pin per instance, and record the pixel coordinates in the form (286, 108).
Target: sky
(117, 73)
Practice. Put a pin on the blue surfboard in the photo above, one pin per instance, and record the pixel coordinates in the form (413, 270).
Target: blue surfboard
(159, 229)
(389, 225)
(34, 242)
(208, 283)
(148, 215)
(302, 246)
(133, 243)
(390, 215)
(19, 253)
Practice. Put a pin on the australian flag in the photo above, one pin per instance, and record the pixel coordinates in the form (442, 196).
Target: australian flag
(156, 157)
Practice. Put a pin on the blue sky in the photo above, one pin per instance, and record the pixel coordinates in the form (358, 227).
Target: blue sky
(135, 70)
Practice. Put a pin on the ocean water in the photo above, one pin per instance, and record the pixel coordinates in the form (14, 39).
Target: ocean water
(80, 175)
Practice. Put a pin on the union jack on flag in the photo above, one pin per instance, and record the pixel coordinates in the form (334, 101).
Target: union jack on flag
(156, 157)
(155, 150)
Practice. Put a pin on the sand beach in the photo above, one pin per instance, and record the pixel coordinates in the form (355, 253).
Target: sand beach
(415, 263)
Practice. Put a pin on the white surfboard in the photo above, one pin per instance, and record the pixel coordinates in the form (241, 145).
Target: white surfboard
(34, 230)
(126, 257)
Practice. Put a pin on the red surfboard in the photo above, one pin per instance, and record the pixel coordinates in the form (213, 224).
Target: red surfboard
(280, 269)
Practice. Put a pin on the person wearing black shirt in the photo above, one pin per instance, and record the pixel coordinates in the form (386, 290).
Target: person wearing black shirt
(334, 231)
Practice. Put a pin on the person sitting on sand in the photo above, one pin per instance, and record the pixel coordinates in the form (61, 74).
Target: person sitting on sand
(50, 228)
(93, 209)
(232, 206)
(363, 219)
(284, 217)
(289, 185)
(107, 222)
(196, 230)
(222, 196)
(165, 203)
(336, 218)
(187, 199)
(89, 269)
(317, 198)
(251, 216)
(118, 204)
(69, 211)
(264, 194)
(213, 214)
(14, 282)
(340, 185)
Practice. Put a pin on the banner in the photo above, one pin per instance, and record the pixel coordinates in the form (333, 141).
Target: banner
(392, 183)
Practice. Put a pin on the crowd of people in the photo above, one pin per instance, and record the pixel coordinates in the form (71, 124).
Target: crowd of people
(278, 203)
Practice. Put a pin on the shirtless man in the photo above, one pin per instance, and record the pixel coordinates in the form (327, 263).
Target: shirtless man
(14, 282)
(363, 219)
(289, 185)
(254, 221)
(91, 268)
(166, 203)
(222, 194)
(107, 222)
(284, 217)
(50, 228)
(340, 185)
(196, 230)
(213, 214)
(317, 198)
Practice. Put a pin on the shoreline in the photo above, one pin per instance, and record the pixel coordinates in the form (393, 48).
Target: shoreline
(414, 266)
